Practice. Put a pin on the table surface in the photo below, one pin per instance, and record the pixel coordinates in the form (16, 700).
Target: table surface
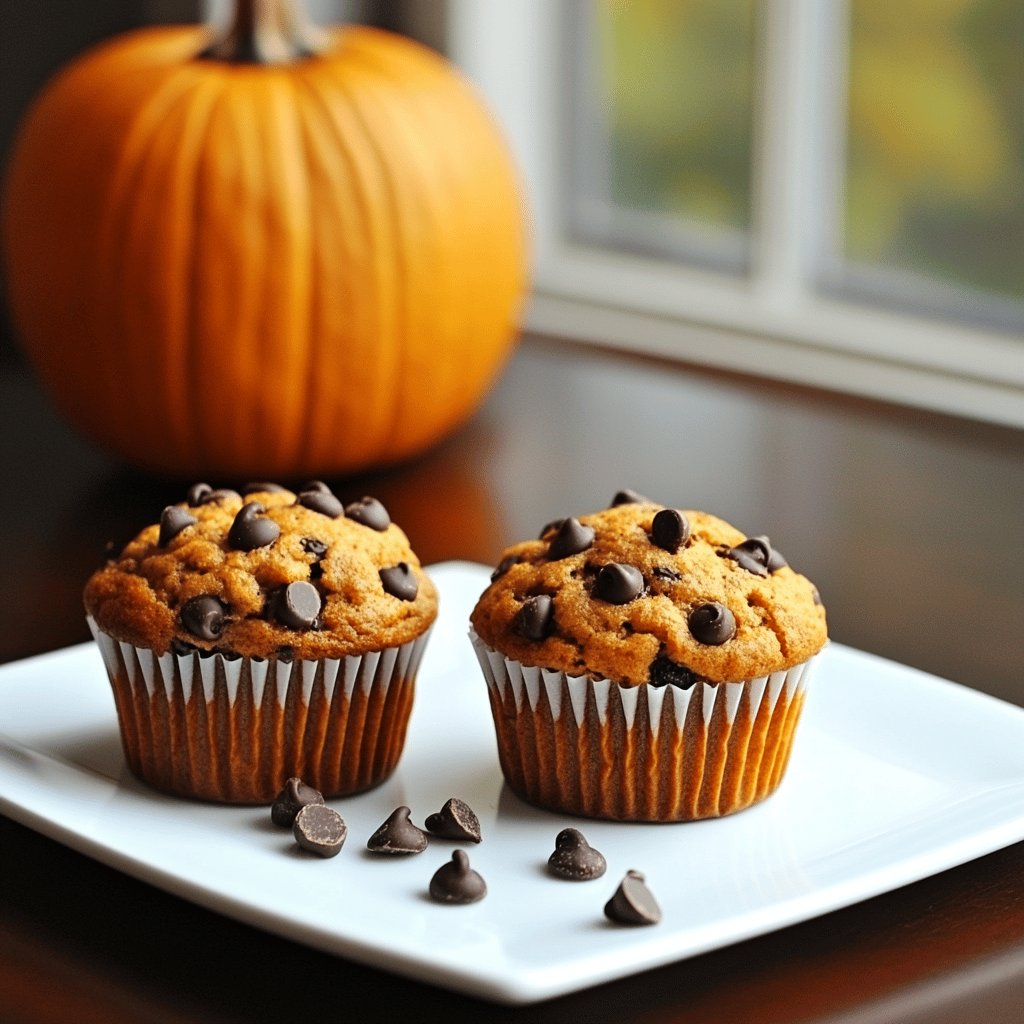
(908, 522)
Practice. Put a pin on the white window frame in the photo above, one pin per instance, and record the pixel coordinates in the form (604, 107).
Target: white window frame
(776, 321)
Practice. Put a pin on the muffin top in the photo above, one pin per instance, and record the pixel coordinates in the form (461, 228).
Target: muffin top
(265, 573)
(639, 593)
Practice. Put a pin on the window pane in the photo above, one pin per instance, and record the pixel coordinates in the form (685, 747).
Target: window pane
(662, 125)
(935, 153)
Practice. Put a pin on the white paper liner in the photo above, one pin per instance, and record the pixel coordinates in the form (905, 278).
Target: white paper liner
(646, 753)
(235, 729)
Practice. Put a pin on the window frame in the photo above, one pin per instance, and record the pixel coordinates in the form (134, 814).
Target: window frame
(786, 318)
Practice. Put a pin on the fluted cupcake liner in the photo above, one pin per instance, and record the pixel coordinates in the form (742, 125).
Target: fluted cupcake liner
(593, 748)
(234, 729)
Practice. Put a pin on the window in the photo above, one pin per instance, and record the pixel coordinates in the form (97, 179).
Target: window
(826, 191)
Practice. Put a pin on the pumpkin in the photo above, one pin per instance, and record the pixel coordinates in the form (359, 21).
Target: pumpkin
(274, 253)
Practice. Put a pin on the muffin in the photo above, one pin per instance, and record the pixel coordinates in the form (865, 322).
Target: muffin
(646, 663)
(250, 638)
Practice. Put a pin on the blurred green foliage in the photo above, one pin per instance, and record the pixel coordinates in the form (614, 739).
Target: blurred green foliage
(934, 143)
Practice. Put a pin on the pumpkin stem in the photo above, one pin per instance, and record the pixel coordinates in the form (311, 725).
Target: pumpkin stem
(265, 32)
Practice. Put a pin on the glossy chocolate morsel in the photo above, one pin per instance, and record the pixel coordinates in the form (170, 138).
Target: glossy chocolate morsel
(173, 520)
(632, 902)
(263, 487)
(665, 672)
(293, 797)
(316, 495)
(571, 538)
(712, 623)
(535, 620)
(629, 497)
(455, 820)
(670, 530)
(204, 494)
(398, 835)
(618, 583)
(400, 581)
(504, 565)
(319, 829)
(251, 529)
(456, 882)
(775, 558)
(203, 616)
(298, 605)
(369, 512)
(574, 858)
(753, 555)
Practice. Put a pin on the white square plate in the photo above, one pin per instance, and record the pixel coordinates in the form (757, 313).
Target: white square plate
(895, 775)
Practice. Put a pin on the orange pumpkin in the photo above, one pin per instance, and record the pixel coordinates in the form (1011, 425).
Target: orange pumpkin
(258, 256)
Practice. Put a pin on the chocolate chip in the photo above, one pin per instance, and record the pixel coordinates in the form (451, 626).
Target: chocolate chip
(263, 487)
(320, 829)
(712, 624)
(574, 858)
(550, 527)
(251, 529)
(173, 520)
(314, 547)
(316, 495)
(369, 512)
(398, 835)
(504, 565)
(298, 605)
(753, 555)
(632, 902)
(815, 596)
(535, 620)
(664, 573)
(571, 538)
(618, 583)
(775, 558)
(456, 882)
(628, 497)
(203, 617)
(293, 797)
(400, 581)
(665, 672)
(204, 494)
(670, 530)
(455, 820)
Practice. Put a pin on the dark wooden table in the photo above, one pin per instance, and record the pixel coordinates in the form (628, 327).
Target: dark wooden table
(910, 523)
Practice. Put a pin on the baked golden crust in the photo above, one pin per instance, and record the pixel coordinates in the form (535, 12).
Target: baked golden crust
(779, 620)
(139, 596)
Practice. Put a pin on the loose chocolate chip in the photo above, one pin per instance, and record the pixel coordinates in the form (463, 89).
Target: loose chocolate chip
(203, 617)
(398, 835)
(298, 605)
(263, 487)
(628, 497)
(293, 797)
(320, 829)
(632, 902)
(504, 565)
(535, 620)
(665, 672)
(712, 624)
(455, 820)
(753, 555)
(251, 530)
(314, 547)
(369, 512)
(571, 538)
(316, 495)
(400, 581)
(456, 882)
(574, 858)
(173, 520)
(618, 583)
(670, 530)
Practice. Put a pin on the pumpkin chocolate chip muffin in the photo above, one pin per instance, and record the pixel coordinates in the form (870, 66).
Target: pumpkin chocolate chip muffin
(250, 638)
(646, 663)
